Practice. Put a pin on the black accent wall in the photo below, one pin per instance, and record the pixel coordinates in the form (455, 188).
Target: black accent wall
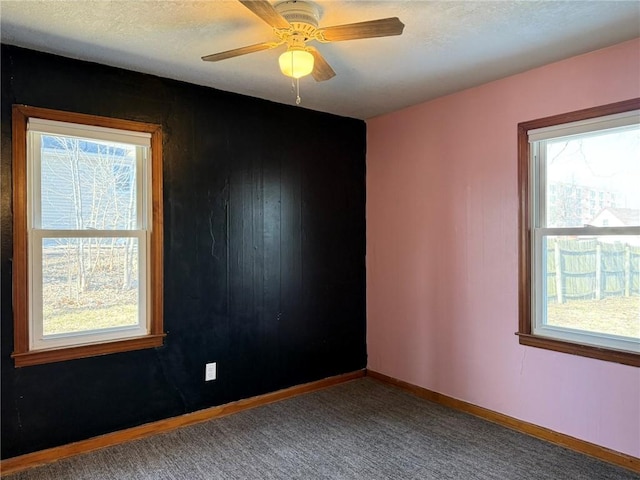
(264, 217)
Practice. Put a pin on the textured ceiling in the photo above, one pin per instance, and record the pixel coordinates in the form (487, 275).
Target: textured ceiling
(446, 46)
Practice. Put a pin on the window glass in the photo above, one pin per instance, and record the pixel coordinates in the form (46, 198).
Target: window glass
(593, 179)
(89, 284)
(592, 284)
(87, 184)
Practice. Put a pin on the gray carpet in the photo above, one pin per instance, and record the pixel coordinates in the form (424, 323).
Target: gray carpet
(358, 430)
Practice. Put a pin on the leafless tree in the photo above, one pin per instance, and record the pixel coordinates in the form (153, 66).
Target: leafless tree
(89, 188)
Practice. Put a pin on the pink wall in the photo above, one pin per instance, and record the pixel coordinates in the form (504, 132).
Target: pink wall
(442, 253)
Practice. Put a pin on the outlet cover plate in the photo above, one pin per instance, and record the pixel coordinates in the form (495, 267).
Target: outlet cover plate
(210, 372)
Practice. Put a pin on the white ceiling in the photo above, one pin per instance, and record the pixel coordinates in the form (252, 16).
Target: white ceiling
(446, 46)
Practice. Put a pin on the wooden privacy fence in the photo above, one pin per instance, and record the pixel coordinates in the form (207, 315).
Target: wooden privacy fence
(586, 269)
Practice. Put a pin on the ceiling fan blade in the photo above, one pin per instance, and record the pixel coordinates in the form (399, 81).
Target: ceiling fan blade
(321, 69)
(258, 47)
(266, 12)
(383, 27)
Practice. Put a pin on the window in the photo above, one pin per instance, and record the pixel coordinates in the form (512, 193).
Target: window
(579, 286)
(87, 263)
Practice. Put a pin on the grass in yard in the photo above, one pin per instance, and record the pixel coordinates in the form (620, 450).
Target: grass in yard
(613, 315)
(82, 319)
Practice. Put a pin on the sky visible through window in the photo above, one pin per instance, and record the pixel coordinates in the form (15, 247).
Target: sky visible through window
(608, 161)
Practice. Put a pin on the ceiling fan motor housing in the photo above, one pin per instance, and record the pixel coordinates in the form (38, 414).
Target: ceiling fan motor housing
(303, 17)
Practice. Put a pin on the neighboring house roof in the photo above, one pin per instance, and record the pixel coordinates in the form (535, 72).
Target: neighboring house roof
(627, 216)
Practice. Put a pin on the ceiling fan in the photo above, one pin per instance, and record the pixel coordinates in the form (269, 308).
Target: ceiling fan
(295, 22)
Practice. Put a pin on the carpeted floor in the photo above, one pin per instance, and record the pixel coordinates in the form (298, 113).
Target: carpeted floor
(359, 430)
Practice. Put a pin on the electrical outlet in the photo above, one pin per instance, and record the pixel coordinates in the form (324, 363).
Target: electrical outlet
(210, 371)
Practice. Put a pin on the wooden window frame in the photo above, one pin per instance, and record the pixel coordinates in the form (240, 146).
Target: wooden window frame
(22, 354)
(525, 330)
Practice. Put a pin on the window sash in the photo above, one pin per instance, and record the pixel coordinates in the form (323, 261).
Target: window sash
(34, 176)
(35, 235)
(37, 339)
(538, 292)
(589, 231)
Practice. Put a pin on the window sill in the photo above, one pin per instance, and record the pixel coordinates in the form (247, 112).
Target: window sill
(606, 354)
(39, 357)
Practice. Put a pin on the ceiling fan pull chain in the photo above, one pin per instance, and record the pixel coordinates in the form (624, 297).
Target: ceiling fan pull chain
(298, 91)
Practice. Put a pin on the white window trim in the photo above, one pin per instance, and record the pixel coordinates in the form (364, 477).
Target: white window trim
(142, 140)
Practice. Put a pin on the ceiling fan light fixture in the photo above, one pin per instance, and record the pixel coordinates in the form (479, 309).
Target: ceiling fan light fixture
(296, 63)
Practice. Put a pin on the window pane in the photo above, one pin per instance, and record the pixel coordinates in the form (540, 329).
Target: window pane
(87, 184)
(89, 284)
(593, 179)
(593, 284)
